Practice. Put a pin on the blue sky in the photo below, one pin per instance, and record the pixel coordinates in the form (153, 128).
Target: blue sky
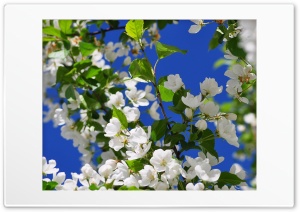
(193, 67)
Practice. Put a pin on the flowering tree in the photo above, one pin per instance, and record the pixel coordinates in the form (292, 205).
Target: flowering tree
(99, 107)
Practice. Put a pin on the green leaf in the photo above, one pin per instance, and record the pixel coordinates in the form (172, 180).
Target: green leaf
(94, 187)
(174, 139)
(120, 115)
(49, 39)
(207, 143)
(162, 80)
(65, 26)
(101, 138)
(75, 50)
(214, 42)
(141, 68)
(165, 94)
(148, 23)
(163, 23)
(86, 48)
(97, 126)
(70, 94)
(79, 126)
(53, 31)
(134, 29)
(136, 165)
(177, 128)
(124, 38)
(92, 71)
(158, 129)
(114, 90)
(60, 75)
(48, 186)
(113, 23)
(91, 103)
(234, 48)
(228, 178)
(179, 106)
(181, 185)
(163, 50)
(82, 64)
(125, 188)
(59, 54)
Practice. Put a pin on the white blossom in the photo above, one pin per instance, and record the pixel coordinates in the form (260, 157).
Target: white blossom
(210, 109)
(196, 27)
(113, 127)
(191, 101)
(224, 188)
(161, 159)
(149, 176)
(201, 125)
(148, 94)
(174, 82)
(204, 172)
(238, 171)
(132, 113)
(153, 111)
(209, 87)
(137, 97)
(227, 131)
(196, 187)
(213, 161)
(138, 151)
(117, 142)
(61, 115)
(49, 168)
(116, 99)
(131, 181)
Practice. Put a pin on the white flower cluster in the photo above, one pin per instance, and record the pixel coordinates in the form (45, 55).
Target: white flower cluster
(209, 110)
(238, 76)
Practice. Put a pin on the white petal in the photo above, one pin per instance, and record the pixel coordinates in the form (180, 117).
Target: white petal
(194, 29)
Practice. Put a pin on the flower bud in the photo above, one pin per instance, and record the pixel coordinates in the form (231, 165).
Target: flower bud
(189, 113)
(231, 116)
(201, 125)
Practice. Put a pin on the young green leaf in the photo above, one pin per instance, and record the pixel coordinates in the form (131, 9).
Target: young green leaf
(120, 115)
(136, 165)
(134, 29)
(141, 68)
(130, 188)
(94, 187)
(65, 26)
(86, 48)
(165, 94)
(164, 50)
(53, 31)
(49, 185)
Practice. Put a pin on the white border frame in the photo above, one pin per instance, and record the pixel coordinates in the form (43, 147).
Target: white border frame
(23, 121)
